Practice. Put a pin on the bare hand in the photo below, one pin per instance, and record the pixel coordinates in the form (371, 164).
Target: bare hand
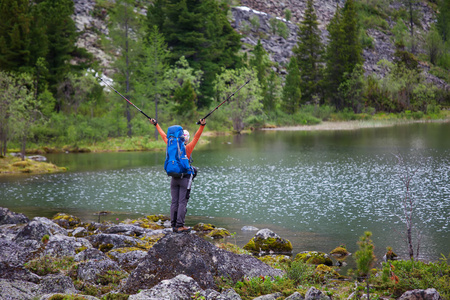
(203, 122)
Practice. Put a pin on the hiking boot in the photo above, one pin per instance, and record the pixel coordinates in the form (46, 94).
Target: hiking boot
(183, 229)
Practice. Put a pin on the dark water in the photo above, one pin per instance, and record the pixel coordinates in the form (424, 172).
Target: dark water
(317, 189)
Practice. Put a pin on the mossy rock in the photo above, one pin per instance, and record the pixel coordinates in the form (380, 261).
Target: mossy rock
(326, 272)
(218, 233)
(314, 258)
(269, 245)
(156, 218)
(202, 227)
(66, 221)
(144, 223)
(275, 261)
(339, 252)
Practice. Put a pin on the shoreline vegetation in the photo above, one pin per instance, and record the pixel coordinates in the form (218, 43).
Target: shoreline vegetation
(10, 165)
(67, 258)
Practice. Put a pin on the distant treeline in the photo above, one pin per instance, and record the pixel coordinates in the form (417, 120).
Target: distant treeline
(183, 58)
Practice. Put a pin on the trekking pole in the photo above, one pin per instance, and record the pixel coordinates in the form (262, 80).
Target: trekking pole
(125, 98)
(198, 122)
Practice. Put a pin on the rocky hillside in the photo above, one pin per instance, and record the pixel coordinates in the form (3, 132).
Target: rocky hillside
(90, 21)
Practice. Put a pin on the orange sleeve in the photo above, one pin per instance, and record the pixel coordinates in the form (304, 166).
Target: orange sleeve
(161, 133)
(190, 147)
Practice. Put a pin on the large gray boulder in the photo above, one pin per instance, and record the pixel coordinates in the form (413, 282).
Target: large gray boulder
(126, 229)
(13, 252)
(127, 260)
(106, 242)
(180, 287)
(90, 254)
(191, 255)
(92, 270)
(16, 271)
(183, 287)
(428, 294)
(17, 290)
(56, 284)
(315, 294)
(10, 217)
(37, 228)
(61, 245)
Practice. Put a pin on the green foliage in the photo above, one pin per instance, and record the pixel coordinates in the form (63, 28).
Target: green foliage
(364, 256)
(353, 90)
(50, 265)
(151, 84)
(200, 31)
(301, 273)
(433, 45)
(309, 52)
(185, 97)
(253, 287)
(243, 104)
(287, 14)
(414, 275)
(443, 20)
(61, 35)
(292, 94)
(279, 27)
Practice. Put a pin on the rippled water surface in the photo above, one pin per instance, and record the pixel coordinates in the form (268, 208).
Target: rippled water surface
(318, 189)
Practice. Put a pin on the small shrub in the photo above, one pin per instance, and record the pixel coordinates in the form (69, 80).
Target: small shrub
(50, 265)
(301, 273)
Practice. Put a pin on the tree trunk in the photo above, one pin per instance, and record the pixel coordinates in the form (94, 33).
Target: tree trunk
(129, 133)
(24, 143)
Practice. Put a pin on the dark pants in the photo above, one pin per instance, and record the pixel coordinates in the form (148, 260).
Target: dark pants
(178, 190)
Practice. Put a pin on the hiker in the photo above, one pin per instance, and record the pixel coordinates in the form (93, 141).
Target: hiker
(179, 185)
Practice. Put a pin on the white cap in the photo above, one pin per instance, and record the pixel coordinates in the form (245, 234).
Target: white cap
(186, 135)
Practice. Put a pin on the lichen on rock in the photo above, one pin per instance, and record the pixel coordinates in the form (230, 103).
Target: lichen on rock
(314, 258)
(266, 241)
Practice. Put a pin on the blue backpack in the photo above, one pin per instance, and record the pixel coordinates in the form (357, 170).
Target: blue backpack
(177, 163)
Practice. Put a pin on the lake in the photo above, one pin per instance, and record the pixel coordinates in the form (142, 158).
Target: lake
(319, 189)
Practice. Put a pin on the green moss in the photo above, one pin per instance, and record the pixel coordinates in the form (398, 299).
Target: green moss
(219, 233)
(105, 247)
(314, 258)
(324, 272)
(204, 227)
(339, 252)
(275, 245)
(78, 250)
(156, 218)
(145, 222)
(15, 165)
(65, 220)
(276, 261)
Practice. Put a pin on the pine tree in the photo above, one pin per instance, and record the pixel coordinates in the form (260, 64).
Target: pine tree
(124, 31)
(443, 19)
(200, 31)
(343, 51)
(352, 47)
(309, 53)
(272, 92)
(261, 63)
(150, 82)
(292, 95)
(61, 34)
(15, 39)
(335, 58)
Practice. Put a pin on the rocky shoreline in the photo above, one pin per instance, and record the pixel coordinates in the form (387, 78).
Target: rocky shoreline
(64, 258)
